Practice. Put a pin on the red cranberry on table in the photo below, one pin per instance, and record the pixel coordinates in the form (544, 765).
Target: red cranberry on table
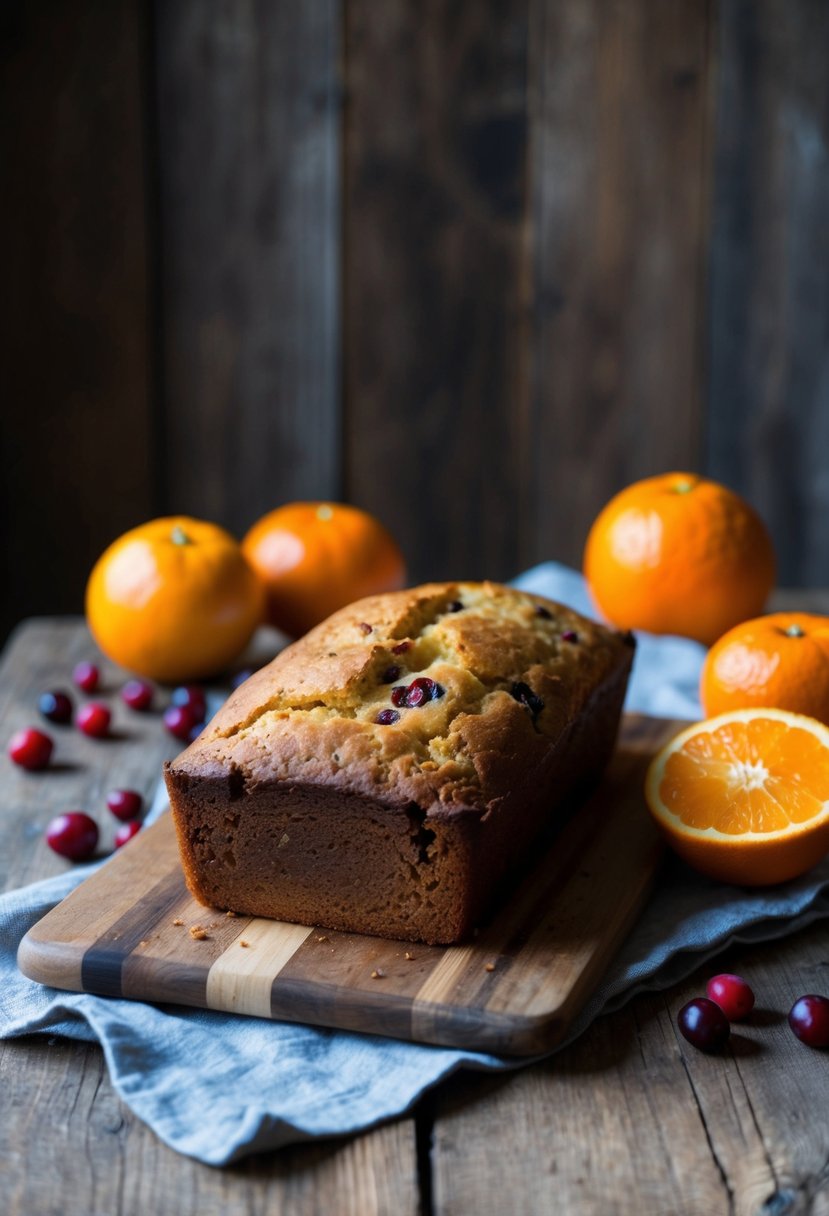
(704, 1024)
(809, 1019)
(56, 706)
(125, 804)
(86, 676)
(94, 720)
(179, 720)
(73, 835)
(732, 994)
(191, 697)
(30, 748)
(126, 832)
(137, 694)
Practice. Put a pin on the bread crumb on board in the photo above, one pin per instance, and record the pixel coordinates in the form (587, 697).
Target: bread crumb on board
(198, 933)
(245, 945)
(489, 966)
(378, 974)
(178, 921)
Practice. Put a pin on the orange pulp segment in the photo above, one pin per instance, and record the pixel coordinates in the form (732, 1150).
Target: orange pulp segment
(744, 797)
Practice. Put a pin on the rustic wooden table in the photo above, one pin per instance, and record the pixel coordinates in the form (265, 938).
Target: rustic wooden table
(627, 1120)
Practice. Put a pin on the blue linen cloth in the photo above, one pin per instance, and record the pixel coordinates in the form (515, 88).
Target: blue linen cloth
(219, 1086)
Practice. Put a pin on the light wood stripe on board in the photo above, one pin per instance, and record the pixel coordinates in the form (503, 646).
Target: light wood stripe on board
(241, 979)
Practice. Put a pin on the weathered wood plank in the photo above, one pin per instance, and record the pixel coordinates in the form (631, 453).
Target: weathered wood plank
(75, 424)
(619, 120)
(435, 279)
(248, 128)
(632, 1119)
(768, 420)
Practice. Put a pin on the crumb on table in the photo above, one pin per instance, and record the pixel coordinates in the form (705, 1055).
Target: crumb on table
(244, 944)
(198, 933)
(178, 921)
(378, 974)
(489, 966)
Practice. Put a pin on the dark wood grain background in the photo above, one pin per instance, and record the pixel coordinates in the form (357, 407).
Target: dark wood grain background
(473, 266)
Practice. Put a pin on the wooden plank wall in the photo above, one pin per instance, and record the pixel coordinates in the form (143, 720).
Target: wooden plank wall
(472, 266)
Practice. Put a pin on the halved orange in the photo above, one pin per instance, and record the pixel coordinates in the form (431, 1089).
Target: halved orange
(744, 796)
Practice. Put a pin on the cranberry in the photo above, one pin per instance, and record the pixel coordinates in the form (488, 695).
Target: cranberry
(30, 748)
(94, 719)
(455, 606)
(137, 694)
(569, 635)
(732, 994)
(73, 835)
(56, 706)
(390, 674)
(387, 717)
(190, 696)
(86, 676)
(525, 696)
(125, 804)
(398, 695)
(179, 720)
(401, 647)
(126, 832)
(704, 1024)
(543, 612)
(421, 690)
(364, 627)
(809, 1019)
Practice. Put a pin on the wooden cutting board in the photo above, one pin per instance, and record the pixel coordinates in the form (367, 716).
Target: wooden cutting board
(514, 989)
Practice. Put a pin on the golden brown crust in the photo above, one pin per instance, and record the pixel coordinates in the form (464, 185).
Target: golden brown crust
(310, 714)
(515, 674)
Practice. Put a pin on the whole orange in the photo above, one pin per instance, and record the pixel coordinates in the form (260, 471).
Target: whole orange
(316, 557)
(679, 554)
(780, 660)
(173, 600)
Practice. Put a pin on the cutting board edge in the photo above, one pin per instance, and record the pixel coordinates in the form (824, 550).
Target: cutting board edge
(50, 962)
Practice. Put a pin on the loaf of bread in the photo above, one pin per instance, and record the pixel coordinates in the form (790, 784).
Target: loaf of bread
(384, 773)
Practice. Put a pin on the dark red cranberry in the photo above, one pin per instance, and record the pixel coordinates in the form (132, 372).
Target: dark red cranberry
(387, 717)
(94, 719)
(421, 690)
(179, 721)
(543, 612)
(569, 635)
(732, 994)
(809, 1019)
(364, 627)
(239, 677)
(191, 697)
(125, 804)
(137, 694)
(30, 748)
(455, 606)
(401, 647)
(86, 676)
(73, 835)
(704, 1024)
(56, 706)
(390, 674)
(398, 695)
(525, 695)
(126, 832)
